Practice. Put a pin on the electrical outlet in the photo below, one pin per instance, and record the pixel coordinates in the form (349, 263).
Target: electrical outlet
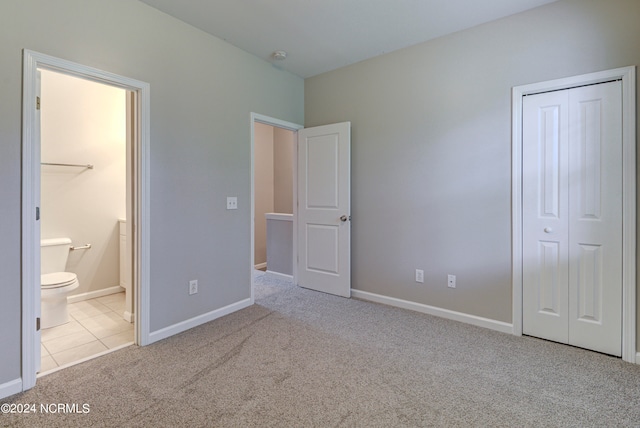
(451, 281)
(232, 203)
(419, 275)
(193, 286)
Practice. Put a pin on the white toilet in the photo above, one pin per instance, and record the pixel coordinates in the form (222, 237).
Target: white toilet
(56, 284)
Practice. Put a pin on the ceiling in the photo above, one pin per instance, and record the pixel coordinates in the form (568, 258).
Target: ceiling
(322, 35)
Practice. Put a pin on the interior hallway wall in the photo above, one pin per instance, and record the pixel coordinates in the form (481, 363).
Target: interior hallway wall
(84, 122)
(273, 176)
(263, 189)
(431, 146)
(283, 144)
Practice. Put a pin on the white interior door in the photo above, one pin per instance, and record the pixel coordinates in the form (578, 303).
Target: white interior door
(572, 216)
(324, 209)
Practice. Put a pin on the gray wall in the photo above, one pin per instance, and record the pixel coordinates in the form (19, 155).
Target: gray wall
(280, 245)
(431, 146)
(202, 93)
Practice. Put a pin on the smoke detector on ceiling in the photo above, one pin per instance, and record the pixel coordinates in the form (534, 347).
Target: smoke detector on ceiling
(279, 55)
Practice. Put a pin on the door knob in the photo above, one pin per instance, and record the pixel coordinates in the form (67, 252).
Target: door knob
(548, 230)
(343, 218)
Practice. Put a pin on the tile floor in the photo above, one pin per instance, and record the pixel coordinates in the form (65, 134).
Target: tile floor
(94, 326)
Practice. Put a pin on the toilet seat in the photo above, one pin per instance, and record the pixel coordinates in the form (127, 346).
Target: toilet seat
(57, 279)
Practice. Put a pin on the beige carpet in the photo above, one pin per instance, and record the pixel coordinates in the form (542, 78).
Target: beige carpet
(299, 358)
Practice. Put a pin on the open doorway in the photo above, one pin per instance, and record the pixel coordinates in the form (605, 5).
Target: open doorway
(136, 228)
(273, 197)
(321, 219)
(85, 142)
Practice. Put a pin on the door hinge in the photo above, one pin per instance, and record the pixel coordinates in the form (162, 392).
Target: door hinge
(37, 213)
(37, 103)
(38, 324)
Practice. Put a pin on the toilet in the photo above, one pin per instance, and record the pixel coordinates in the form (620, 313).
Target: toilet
(55, 283)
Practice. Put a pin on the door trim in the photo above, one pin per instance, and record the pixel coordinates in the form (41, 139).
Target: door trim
(628, 78)
(259, 118)
(32, 61)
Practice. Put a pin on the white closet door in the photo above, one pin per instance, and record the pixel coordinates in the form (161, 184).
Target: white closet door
(595, 207)
(545, 207)
(572, 217)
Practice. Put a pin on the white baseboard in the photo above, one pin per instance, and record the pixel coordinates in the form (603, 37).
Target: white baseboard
(260, 266)
(438, 312)
(196, 321)
(281, 275)
(93, 294)
(638, 358)
(10, 388)
(128, 316)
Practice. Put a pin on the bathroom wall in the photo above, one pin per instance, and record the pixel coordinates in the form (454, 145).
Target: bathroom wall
(84, 122)
(273, 176)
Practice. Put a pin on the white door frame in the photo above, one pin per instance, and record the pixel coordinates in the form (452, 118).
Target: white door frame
(32, 61)
(259, 118)
(628, 78)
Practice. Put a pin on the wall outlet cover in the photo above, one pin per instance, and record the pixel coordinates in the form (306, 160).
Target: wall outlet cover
(232, 203)
(451, 281)
(193, 286)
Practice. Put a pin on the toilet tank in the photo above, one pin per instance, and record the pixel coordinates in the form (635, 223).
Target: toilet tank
(54, 254)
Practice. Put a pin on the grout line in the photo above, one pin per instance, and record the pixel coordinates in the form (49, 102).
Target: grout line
(104, 310)
(76, 346)
(45, 347)
(54, 360)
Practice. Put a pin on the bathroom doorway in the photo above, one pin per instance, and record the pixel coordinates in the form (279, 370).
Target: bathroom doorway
(84, 178)
(273, 197)
(135, 230)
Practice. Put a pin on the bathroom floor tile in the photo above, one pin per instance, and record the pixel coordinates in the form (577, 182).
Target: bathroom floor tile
(106, 325)
(67, 342)
(47, 363)
(78, 353)
(62, 330)
(118, 339)
(86, 309)
(115, 302)
(111, 298)
(95, 325)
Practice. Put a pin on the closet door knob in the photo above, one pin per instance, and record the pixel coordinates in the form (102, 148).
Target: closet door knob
(343, 218)
(548, 230)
